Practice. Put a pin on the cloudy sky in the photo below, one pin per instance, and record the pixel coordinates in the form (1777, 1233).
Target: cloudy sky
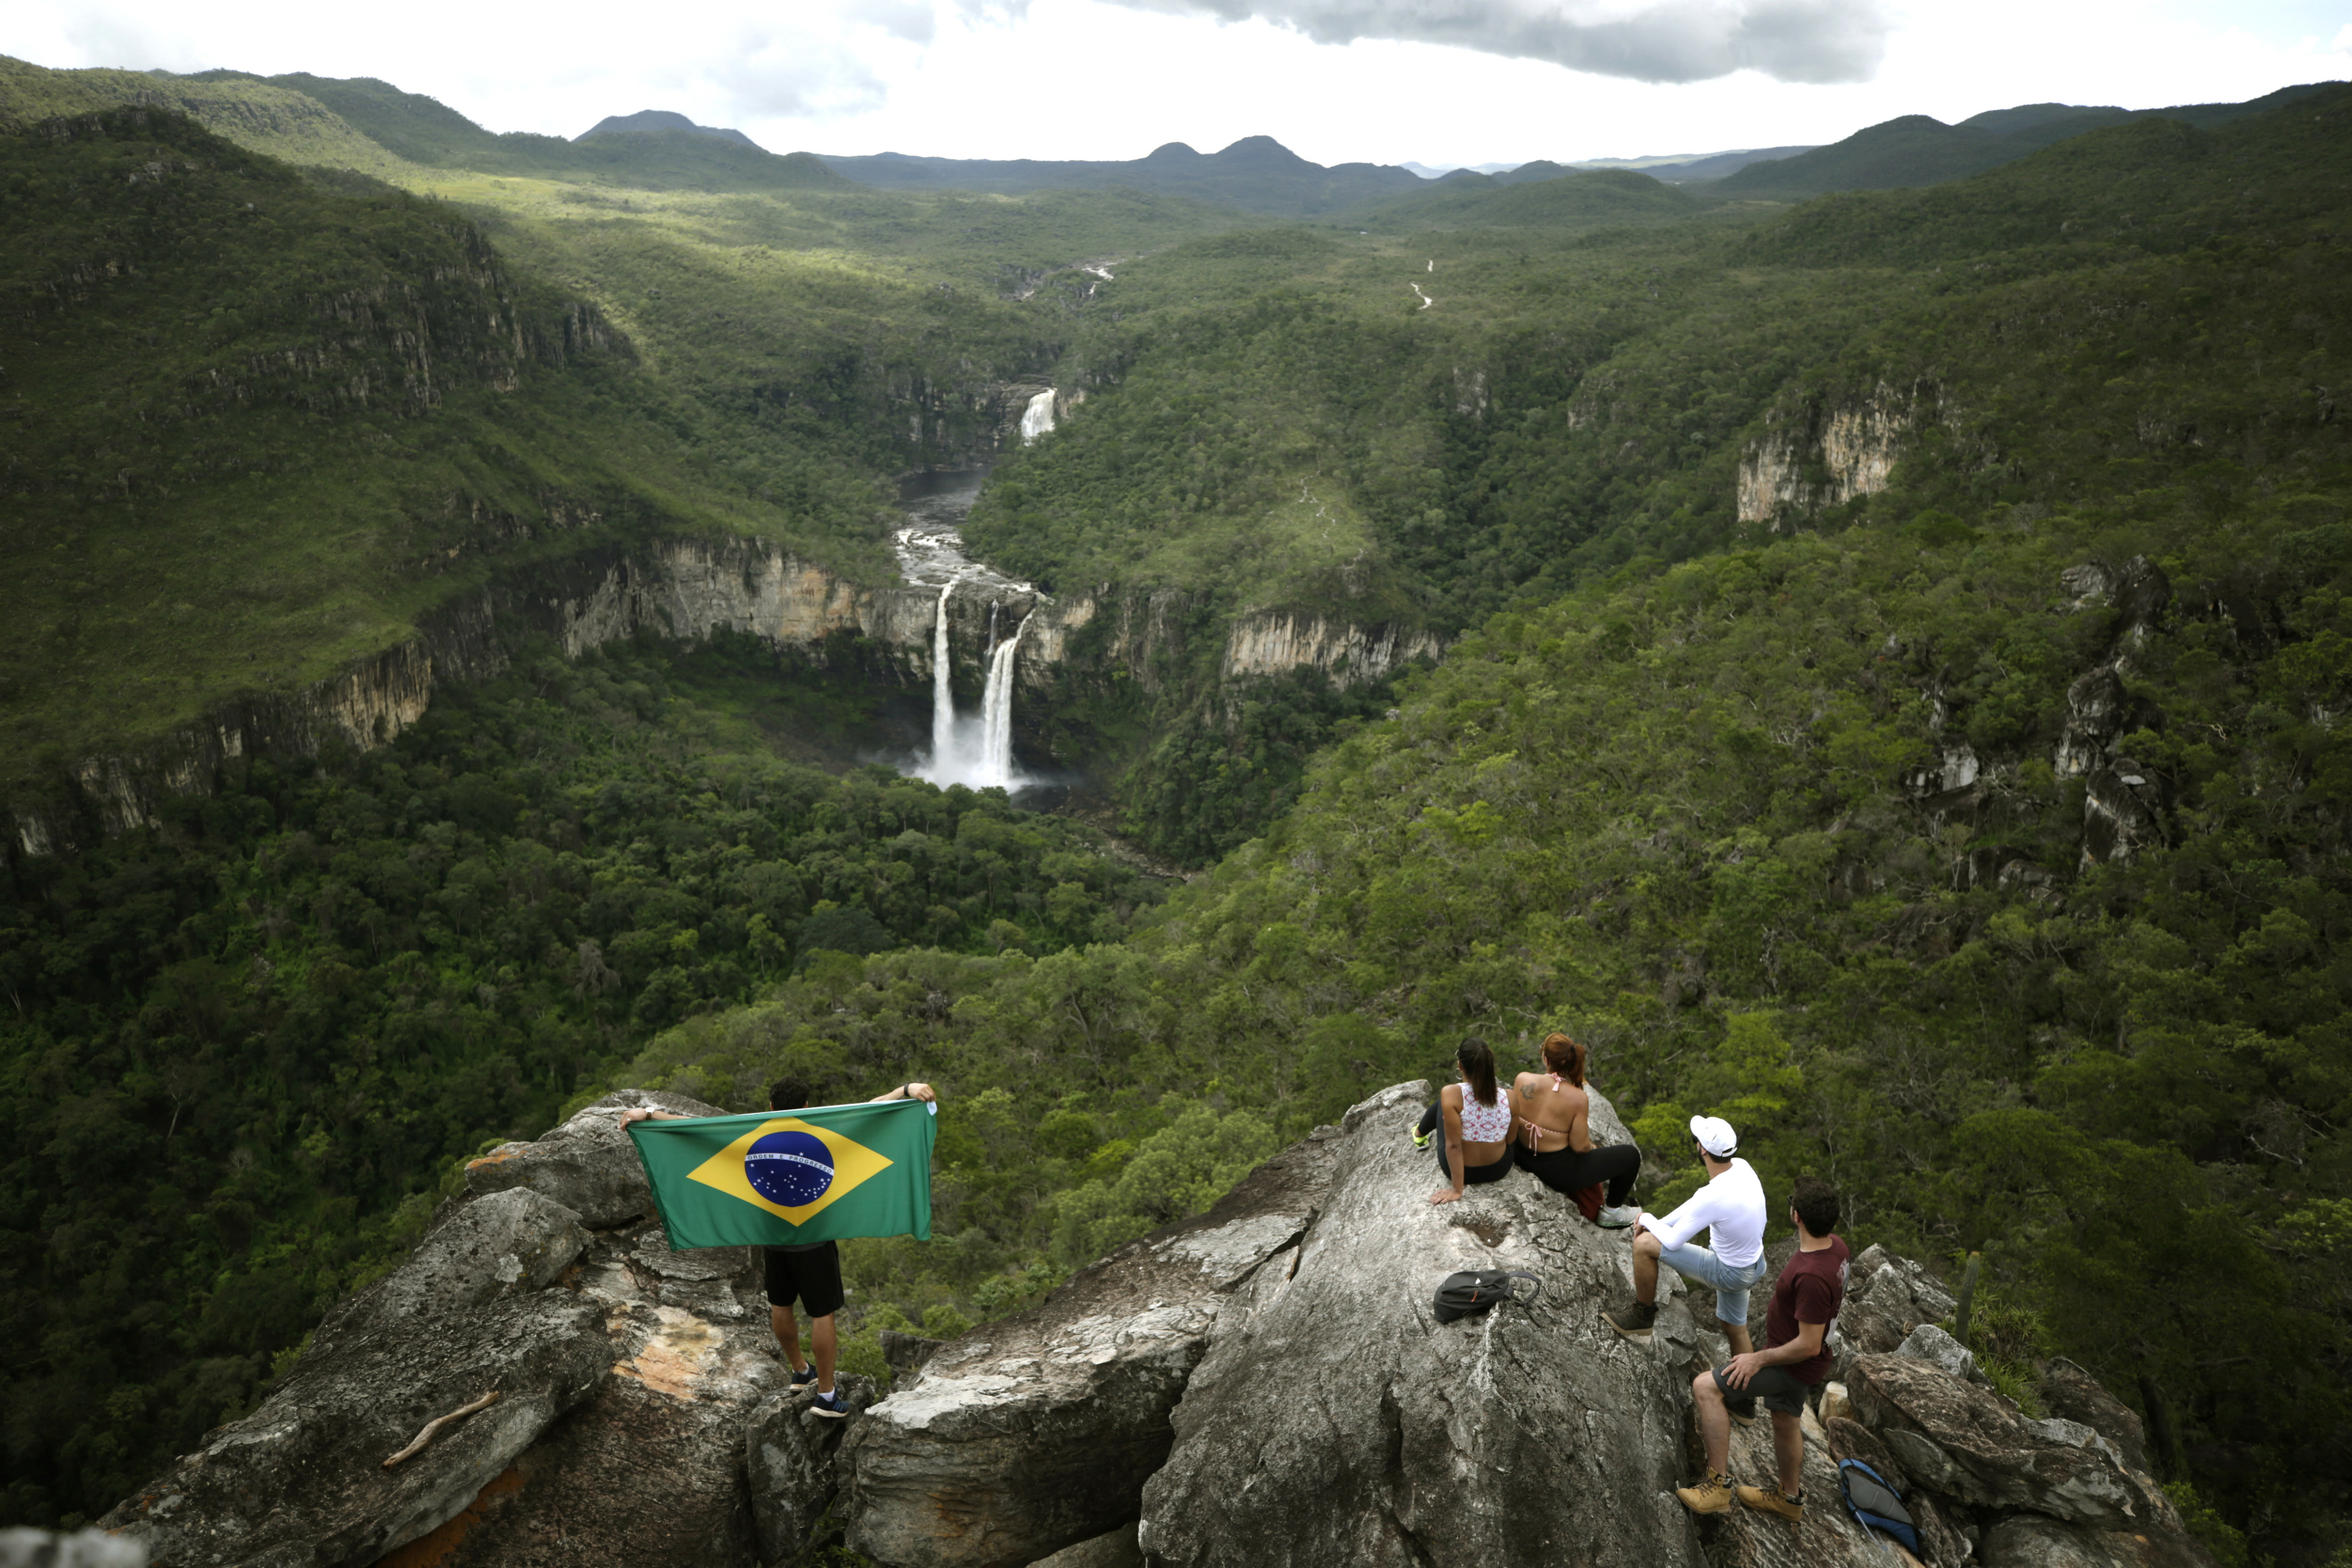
(1441, 82)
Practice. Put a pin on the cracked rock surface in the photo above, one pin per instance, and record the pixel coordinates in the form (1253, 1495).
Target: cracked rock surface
(1035, 1432)
(1334, 1420)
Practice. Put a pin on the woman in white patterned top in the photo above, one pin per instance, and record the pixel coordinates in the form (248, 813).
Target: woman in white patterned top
(1479, 1124)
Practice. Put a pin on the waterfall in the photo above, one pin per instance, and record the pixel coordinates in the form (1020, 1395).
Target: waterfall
(996, 713)
(943, 693)
(1037, 419)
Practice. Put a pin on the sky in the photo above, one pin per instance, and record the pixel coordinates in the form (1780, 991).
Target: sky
(1444, 83)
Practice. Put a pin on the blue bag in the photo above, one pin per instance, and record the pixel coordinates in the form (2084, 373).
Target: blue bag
(1876, 1505)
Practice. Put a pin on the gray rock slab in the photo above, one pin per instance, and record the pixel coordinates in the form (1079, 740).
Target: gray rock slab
(790, 1455)
(508, 1244)
(1965, 1443)
(587, 1164)
(2070, 1393)
(301, 1482)
(1939, 1350)
(2028, 1541)
(649, 1472)
(1333, 1420)
(1035, 1432)
(1116, 1550)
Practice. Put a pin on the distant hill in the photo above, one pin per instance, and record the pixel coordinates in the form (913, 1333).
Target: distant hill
(662, 120)
(1591, 198)
(1919, 150)
(363, 123)
(1256, 173)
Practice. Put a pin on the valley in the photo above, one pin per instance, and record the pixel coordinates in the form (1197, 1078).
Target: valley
(499, 620)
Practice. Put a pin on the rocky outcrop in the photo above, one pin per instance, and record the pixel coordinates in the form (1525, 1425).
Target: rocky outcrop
(1035, 1433)
(303, 1481)
(1967, 1443)
(1816, 456)
(1333, 1420)
(587, 1164)
(1274, 644)
(624, 1372)
(1261, 1385)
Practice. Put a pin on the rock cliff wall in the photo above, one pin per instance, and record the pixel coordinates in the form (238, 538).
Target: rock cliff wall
(1816, 454)
(688, 590)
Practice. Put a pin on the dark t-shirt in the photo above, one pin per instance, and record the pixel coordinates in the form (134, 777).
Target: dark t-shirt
(1809, 1291)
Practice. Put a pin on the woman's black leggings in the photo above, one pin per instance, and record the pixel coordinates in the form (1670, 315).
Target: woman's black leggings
(1566, 1171)
(1430, 1119)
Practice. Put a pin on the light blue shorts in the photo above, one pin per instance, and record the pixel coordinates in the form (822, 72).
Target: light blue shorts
(1701, 1267)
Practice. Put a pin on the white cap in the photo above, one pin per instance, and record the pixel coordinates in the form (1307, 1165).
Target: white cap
(1715, 1135)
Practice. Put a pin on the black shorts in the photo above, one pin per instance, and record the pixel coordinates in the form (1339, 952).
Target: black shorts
(814, 1277)
(1773, 1385)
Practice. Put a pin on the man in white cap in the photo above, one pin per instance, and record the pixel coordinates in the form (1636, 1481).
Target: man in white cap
(1730, 1209)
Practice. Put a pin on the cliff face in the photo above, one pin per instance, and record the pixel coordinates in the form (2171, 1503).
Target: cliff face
(688, 590)
(1819, 454)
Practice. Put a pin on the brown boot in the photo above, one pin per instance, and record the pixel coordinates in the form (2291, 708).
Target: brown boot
(1770, 1500)
(1712, 1495)
(1634, 1319)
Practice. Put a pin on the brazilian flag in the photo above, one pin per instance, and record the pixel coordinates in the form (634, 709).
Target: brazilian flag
(785, 1178)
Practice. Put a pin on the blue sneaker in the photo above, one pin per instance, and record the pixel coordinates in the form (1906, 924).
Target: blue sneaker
(832, 1404)
(803, 1378)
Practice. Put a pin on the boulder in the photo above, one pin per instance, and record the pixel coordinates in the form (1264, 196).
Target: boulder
(1886, 1297)
(509, 1244)
(2070, 1393)
(650, 1473)
(1334, 1420)
(302, 1480)
(789, 1453)
(1960, 1440)
(2029, 1540)
(1938, 1349)
(587, 1164)
(1116, 1550)
(1035, 1432)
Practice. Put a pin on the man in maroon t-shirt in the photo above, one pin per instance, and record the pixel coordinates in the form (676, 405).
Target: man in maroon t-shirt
(1805, 1301)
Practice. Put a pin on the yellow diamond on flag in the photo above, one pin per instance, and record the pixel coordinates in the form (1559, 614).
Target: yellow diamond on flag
(791, 1168)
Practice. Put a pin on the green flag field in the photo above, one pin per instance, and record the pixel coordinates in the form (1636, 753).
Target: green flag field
(788, 1178)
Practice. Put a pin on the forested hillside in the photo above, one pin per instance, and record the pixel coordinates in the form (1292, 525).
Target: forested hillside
(291, 1010)
(1976, 840)
(1899, 651)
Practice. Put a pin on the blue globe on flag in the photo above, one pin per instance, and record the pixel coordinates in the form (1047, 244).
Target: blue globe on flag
(789, 1168)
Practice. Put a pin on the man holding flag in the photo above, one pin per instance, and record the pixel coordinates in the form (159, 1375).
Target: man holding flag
(795, 1182)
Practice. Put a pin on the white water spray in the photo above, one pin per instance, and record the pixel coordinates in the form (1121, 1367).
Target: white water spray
(1037, 419)
(942, 690)
(996, 713)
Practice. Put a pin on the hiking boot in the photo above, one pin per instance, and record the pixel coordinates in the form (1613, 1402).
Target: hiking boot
(1742, 1410)
(1712, 1495)
(1770, 1500)
(1634, 1319)
(832, 1404)
(1617, 1216)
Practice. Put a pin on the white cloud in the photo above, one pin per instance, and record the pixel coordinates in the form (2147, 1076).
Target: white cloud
(1666, 41)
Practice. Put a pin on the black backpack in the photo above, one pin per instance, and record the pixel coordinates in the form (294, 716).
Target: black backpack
(1469, 1294)
(1876, 1505)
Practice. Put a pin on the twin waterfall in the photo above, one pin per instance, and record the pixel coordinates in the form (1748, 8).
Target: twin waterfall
(981, 759)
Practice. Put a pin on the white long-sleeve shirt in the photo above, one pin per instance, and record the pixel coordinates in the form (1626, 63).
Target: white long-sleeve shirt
(1731, 1207)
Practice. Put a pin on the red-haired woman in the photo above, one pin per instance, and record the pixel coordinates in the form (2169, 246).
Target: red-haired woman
(1554, 1114)
(1478, 1125)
